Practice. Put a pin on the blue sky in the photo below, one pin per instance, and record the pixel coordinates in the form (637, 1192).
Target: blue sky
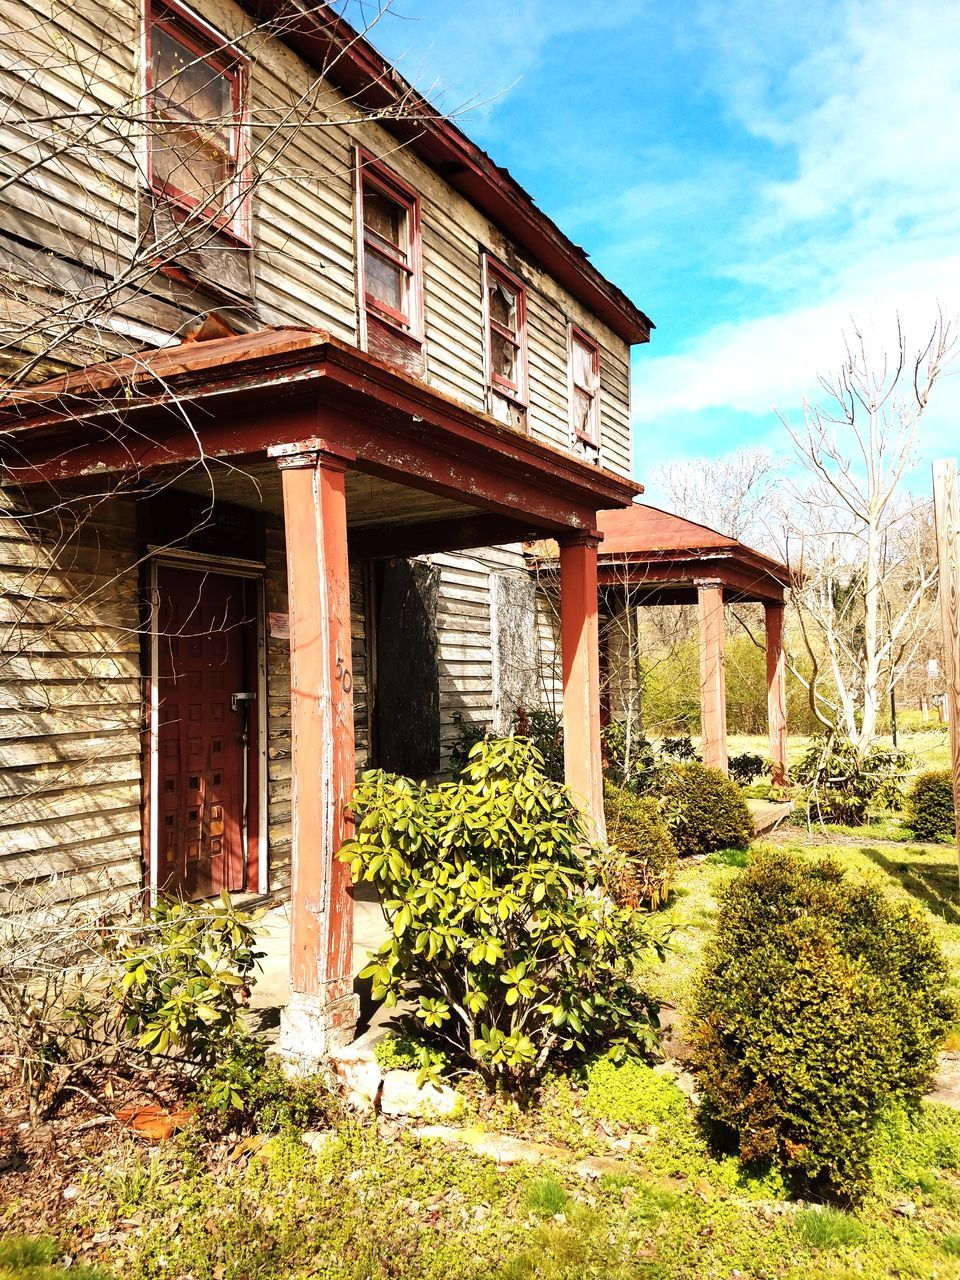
(753, 173)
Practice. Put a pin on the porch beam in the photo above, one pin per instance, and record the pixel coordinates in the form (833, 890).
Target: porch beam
(386, 541)
(713, 694)
(776, 691)
(741, 583)
(322, 1011)
(580, 656)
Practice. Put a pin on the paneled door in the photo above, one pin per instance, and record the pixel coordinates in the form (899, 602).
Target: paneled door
(205, 668)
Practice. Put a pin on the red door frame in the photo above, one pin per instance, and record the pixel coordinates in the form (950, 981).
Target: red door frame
(257, 848)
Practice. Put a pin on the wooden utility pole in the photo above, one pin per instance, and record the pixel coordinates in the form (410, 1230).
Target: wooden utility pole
(948, 555)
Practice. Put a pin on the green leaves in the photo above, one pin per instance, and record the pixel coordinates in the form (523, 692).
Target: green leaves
(185, 975)
(496, 910)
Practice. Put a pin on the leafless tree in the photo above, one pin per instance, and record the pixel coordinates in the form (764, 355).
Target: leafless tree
(859, 542)
(729, 493)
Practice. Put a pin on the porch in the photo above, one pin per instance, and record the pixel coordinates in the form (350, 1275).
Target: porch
(344, 463)
(652, 558)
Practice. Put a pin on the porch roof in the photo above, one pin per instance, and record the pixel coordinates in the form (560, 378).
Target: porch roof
(242, 394)
(665, 557)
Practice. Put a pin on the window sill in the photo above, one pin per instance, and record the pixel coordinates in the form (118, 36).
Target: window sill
(398, 330)
(184, 212)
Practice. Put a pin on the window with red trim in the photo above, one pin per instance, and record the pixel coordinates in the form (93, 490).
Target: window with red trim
(584, 387)
(197, 107)
(505, 301)
(390, 246)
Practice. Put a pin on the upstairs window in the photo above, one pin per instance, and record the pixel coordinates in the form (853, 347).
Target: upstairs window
(196, 109)
(506, 320)
(390, 247)
(584, 387)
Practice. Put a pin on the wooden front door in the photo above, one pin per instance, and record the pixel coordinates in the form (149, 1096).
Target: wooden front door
(206, 736)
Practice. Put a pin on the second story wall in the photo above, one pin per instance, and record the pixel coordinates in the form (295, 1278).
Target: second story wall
(77, 222)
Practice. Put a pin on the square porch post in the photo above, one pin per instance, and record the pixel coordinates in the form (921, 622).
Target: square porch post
(713, 692)
(322, 1011)
(580, 655)
(776, 690)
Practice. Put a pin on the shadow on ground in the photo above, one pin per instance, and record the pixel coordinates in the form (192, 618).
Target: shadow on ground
(932, 880)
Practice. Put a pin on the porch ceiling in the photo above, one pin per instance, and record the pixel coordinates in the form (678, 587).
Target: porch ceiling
(234, 398)
(371, 500)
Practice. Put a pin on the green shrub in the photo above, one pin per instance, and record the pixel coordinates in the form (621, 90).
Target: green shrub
(497, 923)
(703, 809)
(407, 1053)
(843, 781)
(636, 827)
(746, 767)
(186, 975)
(681, 749)
(629, 760)
(245, 1090)
(930, 806)
(822, 1002)
(630, 1093)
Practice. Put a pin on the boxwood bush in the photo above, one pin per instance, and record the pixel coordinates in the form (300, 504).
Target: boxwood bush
(703, 808)
(822, 1003)
(930, 806)
(637, 828)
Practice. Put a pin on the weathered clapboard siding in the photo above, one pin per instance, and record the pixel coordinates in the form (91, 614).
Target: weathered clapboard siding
(548, 642)
(479, 680)
(70, 710)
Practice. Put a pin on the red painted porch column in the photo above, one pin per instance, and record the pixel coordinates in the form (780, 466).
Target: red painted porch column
(580, 652)
(776, 691)
(322, 1012)
(713, 693)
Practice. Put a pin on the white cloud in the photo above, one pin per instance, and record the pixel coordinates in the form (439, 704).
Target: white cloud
(868, 224)
(484, 46)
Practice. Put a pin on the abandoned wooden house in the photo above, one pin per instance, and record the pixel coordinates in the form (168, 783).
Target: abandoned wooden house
(291, 369)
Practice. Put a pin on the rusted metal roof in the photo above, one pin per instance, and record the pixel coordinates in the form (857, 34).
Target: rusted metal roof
(658, 549)
(159, 365)
(640, 529)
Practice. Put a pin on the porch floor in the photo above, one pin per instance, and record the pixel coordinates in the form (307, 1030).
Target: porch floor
(768, 814)
(272, 989)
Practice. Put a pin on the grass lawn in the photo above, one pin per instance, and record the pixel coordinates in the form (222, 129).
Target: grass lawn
(929, 746)
(624, 1186)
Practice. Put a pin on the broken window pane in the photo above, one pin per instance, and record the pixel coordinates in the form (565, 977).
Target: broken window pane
(582, 412)
(503, 358)
(583, 366)
(503, 306)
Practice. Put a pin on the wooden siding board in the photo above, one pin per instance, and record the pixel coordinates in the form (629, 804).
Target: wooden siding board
(69, 751)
